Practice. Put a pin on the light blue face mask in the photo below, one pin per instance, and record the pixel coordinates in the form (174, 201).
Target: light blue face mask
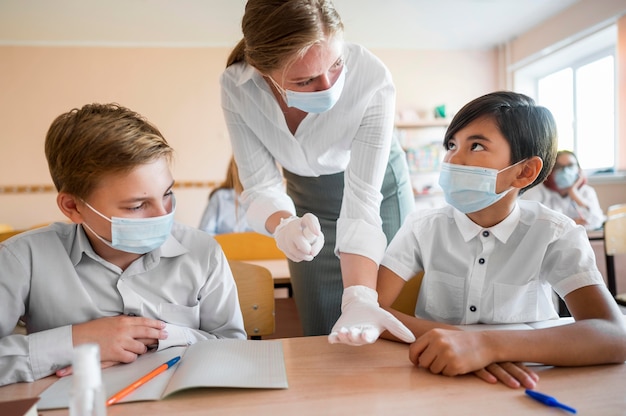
(317, 101)
(470, 188)
(566, 177)
(137, 235)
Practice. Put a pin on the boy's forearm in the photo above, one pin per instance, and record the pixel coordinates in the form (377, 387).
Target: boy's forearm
(587, 342)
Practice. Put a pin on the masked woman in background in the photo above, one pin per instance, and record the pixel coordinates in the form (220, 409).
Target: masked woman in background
(565, 190)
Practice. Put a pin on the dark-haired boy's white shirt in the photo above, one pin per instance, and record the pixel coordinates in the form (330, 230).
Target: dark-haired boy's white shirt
(53, 278)
(533, 251)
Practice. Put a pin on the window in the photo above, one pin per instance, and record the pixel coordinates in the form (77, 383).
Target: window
(582, 100)
(577, 84)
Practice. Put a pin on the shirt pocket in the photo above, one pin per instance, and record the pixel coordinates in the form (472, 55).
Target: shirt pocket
(444, 296)
(515, 303)
(187, 316)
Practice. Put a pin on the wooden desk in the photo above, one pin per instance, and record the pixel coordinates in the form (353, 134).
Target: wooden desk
(595, 234)
(376, 379)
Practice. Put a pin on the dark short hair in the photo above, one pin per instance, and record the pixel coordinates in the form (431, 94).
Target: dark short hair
(529, 129)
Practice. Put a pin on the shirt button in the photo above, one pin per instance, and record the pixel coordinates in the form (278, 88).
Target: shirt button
(485, 233)
(473, 308)
(481, 261)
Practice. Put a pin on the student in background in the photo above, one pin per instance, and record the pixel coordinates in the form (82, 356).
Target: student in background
(123, 274)
(565, 190)
(223, 213)
(294, 93)
(490, 258)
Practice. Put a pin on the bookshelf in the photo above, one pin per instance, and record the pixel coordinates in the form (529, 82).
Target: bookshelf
(422, 140)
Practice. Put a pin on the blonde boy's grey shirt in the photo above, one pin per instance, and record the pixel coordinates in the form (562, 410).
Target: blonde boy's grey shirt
(53, 278)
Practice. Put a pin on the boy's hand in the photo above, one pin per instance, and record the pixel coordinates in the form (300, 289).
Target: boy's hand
(452, 352)
(513, 375)
(121, 338)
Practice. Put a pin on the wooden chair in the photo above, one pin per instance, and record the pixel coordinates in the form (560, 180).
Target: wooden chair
(253, 246)
(7, 234)
(614, 244)
(256, 298)
(407, 299)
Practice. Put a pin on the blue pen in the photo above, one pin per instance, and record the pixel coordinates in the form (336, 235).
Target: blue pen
(548, 400)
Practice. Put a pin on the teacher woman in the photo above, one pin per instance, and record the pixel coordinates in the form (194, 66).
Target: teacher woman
(300, 100)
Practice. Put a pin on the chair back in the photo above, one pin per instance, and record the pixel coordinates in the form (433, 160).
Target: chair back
(249, 246)
(407, 299)
(616, 209)
(615, 234)
(8, 234)
(255, 287)
(614, 244)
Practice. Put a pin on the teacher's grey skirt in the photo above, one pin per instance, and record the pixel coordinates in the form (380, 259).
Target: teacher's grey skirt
(317, 285)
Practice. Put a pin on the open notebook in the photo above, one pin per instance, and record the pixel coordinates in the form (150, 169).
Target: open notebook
(211, 363)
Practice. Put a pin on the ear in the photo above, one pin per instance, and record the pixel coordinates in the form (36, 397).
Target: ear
(68, 205)
(530, 170)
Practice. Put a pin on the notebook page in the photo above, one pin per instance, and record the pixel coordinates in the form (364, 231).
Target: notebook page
(230, 363)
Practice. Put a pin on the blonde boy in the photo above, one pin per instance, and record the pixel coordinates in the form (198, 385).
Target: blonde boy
(123, 274)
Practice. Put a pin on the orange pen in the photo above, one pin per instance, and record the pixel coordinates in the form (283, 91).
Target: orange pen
(143, 380)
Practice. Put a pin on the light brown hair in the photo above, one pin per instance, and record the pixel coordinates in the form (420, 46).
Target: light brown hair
(232, 179)
(85, 144)
(276, 32)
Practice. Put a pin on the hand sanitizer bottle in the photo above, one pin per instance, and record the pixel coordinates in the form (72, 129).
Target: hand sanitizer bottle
(87, 394)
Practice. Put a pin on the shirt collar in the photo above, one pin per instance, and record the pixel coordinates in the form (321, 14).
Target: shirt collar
(171, 248)
(247, 73)
(502, 231)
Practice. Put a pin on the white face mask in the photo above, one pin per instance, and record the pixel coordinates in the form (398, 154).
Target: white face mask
(470, 188)
(137, 235)
(566, 177)
(317, 101)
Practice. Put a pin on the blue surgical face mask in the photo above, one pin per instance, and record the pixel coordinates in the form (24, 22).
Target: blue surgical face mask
(317, 101)
(137, 235)
(470, 188)
(566, 177)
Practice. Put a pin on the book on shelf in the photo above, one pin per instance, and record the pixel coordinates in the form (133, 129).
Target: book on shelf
(210, 363)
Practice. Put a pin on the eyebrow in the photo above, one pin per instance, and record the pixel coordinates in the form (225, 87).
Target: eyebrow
(142, 199)
(479, 137)
(297, 80)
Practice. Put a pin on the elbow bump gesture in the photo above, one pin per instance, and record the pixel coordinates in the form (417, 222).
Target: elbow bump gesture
(299, 238)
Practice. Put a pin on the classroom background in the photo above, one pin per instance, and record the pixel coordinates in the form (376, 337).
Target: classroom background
(175, 85)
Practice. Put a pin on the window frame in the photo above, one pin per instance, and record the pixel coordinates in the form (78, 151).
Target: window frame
(596, 46)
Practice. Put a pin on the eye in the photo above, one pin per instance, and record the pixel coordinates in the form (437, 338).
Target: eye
(477, 147)
(450, 145)
(338, 63)
(304, 83)
(137, 208)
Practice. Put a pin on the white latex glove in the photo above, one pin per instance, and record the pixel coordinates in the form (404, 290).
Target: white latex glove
(362, 320)
(299, 238)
